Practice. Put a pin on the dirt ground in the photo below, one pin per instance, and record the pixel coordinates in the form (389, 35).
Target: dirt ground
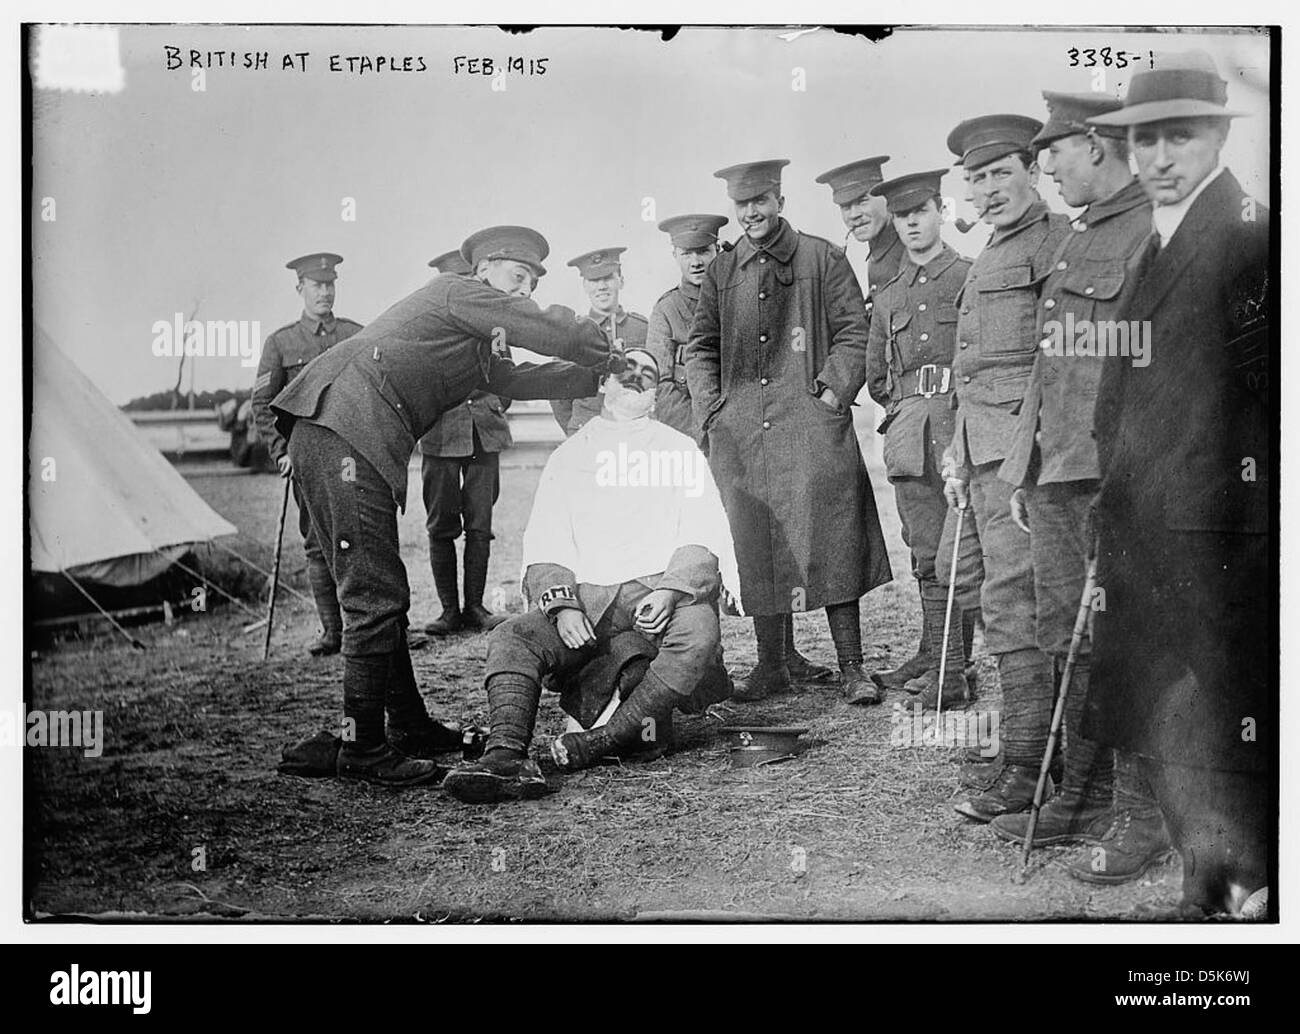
(184, 815)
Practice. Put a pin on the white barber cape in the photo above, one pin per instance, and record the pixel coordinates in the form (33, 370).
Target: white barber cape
(618, 498)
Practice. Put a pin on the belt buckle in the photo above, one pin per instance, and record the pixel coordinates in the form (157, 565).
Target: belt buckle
(926, 375)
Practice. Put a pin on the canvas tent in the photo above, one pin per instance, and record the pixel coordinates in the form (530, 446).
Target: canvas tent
(106, 507)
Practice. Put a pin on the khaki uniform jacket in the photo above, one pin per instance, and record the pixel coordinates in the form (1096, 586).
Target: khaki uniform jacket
(914, 325)
(384, 388)
(1052, 440)
(286, 353)
(666, 338)
(997, 332)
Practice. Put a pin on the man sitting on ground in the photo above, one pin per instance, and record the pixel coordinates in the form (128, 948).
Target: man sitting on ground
(627, 532)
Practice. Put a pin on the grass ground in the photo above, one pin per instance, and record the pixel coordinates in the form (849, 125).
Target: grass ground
(853, 829)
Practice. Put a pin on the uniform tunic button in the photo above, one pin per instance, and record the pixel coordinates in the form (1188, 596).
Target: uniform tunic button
(762, 295)
(922, 280)
(1045, 344)
(965, 310)
(925, 337)
(762, 338)
(762, 260)
(1061, 265)
(921, 307)
(963, 344)
(1087, 290)
(344, 543)
(763, 381)
(965, 380)
(1050, 303)
(766, 425)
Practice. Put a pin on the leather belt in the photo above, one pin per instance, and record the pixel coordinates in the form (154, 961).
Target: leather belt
(927, 381)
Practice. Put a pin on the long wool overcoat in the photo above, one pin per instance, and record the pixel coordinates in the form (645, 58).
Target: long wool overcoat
(774, 326)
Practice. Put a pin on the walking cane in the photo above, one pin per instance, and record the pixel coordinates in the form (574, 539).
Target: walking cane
(1058, 713)
(947, 618)
(275, 572)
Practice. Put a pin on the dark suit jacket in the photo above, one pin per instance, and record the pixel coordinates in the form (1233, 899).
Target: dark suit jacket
(1184, 655)
(383, 389)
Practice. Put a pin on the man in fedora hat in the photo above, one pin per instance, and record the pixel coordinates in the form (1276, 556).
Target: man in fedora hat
(913, 335)
(602, 279)
(1184, 662)
(997, 340)
(776, 358)
(285, 354)
(352, 420)
(460, 467)
(1052, 462)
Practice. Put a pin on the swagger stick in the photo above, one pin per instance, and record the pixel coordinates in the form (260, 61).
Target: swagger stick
(1058, 713)
(947, 618)
(275, 572)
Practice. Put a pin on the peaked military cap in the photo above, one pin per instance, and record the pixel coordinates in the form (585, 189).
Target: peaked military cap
(693, 231)
(978, 141)
(852, 181)
(451, 262)
(752, 178)
(596, 264)
(517, 243)
(1068, 114)
(1183, 85)
(903, 193)
(316, 266)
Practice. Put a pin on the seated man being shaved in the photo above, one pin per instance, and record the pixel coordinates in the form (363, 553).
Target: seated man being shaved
(627, 534)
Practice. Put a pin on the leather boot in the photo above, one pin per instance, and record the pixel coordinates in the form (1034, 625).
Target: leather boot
(478, 548)
(364, 754)
(1082, 808)
(858, 687)
(504, 772)
(801, 668)
(771, 676)
(1137, 838)
(955, 688)
(1012, 791)
(325, 593)
(641, 718)
(411, 730)
(442, 559)
(915, 666)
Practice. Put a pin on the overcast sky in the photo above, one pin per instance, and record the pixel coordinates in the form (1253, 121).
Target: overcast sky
(165, 195)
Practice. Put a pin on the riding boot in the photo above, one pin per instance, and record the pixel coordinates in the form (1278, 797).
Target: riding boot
(478, 548)
(771, 676)
(442, 559)
(918, 664)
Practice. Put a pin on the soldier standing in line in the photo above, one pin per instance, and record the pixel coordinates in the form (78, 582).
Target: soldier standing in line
(913, 335)
(285, 354)
(997, 339)
(461, 471)
(602, 279)
(1052, 463)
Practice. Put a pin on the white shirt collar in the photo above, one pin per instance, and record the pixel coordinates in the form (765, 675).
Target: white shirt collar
(1167, 218)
